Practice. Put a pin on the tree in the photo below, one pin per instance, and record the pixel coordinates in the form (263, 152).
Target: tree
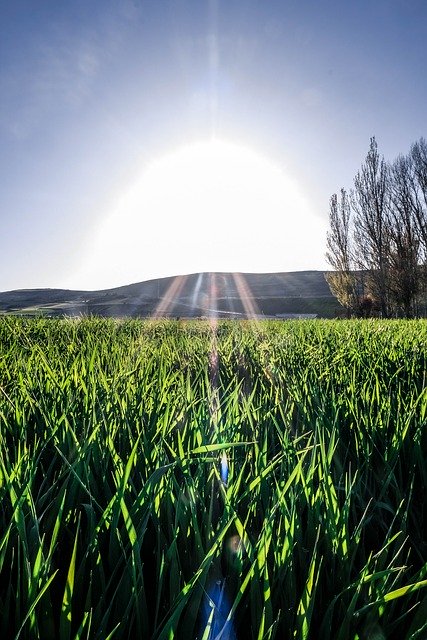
(342, 281)
(377, 242)
(404, 237)
(418, 157)
(370, 202)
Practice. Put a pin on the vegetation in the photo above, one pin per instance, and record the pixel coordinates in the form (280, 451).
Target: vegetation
(166, 479)
(377, 241)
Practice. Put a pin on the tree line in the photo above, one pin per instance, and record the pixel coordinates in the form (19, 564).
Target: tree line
(377, 237)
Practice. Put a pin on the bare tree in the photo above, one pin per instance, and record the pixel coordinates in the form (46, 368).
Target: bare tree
(418, 156)
(377, 242)
(341, 281)
(370, 202)
(404, 236)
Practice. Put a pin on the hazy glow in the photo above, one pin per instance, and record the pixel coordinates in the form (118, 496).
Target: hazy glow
(211, 206)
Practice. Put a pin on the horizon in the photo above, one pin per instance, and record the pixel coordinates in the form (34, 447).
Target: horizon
(203, 294)
(172, 277)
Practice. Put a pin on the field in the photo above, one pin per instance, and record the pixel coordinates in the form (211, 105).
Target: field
(195, 479)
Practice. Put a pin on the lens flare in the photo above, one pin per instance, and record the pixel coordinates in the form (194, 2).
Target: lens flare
(224, 469)
(217, 607)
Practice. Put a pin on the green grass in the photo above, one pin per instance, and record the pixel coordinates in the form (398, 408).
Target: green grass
(118, 520)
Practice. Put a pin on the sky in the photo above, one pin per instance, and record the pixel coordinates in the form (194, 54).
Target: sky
(148, 138)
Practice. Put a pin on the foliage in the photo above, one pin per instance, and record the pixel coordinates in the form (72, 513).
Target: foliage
(166, 479)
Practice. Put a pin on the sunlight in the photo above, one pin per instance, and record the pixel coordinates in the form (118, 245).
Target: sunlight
(246, 296)
(210, 206)
(167, 301)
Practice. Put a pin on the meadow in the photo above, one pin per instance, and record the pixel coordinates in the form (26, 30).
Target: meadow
(166, 479)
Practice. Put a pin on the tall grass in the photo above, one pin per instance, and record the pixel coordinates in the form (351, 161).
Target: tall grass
(165, 479)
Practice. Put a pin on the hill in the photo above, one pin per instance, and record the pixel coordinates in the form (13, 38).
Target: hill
(236, 295)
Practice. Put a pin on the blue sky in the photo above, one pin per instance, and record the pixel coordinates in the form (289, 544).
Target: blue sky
(91, 92)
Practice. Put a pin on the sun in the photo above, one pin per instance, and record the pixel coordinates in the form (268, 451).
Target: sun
(208, 206)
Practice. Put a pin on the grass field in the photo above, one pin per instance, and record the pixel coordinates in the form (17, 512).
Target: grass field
(233, 480)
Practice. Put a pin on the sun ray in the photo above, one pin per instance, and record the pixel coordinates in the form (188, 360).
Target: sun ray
(196, 292)
(249, 305)
(167, 302)
(212, 300)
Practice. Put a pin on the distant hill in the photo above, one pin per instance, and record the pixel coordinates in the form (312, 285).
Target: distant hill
(238, 295)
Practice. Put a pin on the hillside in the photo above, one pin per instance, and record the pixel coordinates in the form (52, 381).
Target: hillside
(196, 295)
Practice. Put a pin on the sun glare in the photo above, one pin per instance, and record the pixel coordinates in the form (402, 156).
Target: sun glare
(210, 206)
